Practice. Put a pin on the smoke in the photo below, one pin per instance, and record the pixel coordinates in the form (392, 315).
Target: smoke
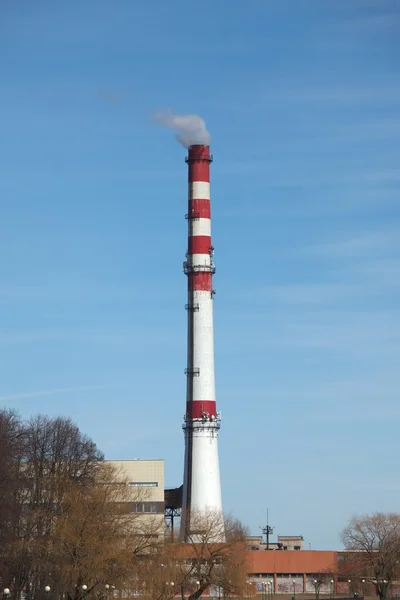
(191, 128)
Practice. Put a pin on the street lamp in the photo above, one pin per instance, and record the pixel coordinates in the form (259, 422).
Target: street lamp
(294, 589)
(84, 590)
(262, 591)
(47, 590)
(349, 587)
(332, 588)
(6, 593)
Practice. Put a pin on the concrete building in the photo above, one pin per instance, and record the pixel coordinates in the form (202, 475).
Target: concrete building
(146, 479)
(285, 542)
(313, 572)
(291, 542)
(292, 572)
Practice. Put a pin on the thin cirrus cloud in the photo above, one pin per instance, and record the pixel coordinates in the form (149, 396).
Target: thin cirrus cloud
(51, 392)
(112, 336)
(363, 244)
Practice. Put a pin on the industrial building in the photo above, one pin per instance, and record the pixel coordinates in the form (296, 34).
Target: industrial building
(273, 567)
(146, 479)
(314, 572)
(285, 542)
(278, 567)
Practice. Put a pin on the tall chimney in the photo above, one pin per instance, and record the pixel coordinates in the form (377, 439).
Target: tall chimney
(202, 487)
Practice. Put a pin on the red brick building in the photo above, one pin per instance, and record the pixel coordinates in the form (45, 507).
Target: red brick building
(299, 572)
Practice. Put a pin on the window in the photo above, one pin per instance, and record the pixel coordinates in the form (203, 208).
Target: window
(146, 507)
(143, 484)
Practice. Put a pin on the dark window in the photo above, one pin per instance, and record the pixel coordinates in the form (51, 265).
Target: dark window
(147, 507)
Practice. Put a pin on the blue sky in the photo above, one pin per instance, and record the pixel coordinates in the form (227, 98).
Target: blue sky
(302, 102)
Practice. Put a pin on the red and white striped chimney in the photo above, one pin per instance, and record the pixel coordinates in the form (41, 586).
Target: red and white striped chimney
(202, 487)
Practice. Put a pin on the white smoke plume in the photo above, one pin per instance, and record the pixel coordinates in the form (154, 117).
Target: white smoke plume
(191, 128)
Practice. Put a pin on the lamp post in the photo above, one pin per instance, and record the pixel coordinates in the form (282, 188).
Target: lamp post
(47, 591)
(6, 593)
(385, 587)
(316, 589)
(84, 590)
(332, 588)
(349, 587)
(294, 589)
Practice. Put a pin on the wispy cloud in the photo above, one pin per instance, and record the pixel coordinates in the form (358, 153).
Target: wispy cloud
(289, 92)
(112, 96)
(52, 392)
(311, 293)
(275, 175)
(367, 244)
(371, 21)
(113, 336)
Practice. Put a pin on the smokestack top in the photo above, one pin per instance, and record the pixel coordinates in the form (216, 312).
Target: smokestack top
(199, 152)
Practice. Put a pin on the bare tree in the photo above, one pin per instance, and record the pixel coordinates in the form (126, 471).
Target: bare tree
(10, 453)
(97, 538)
(376, 537)
(53, 456)
(321, 579)
(202, 563)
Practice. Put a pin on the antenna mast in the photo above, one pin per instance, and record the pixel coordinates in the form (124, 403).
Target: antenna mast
(267, 530)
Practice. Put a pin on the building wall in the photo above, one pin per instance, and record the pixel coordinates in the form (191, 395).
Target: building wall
(146, 480)
(140, 472)
(289, 584)
(291, 572)
(291, 542)
(289, 562)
